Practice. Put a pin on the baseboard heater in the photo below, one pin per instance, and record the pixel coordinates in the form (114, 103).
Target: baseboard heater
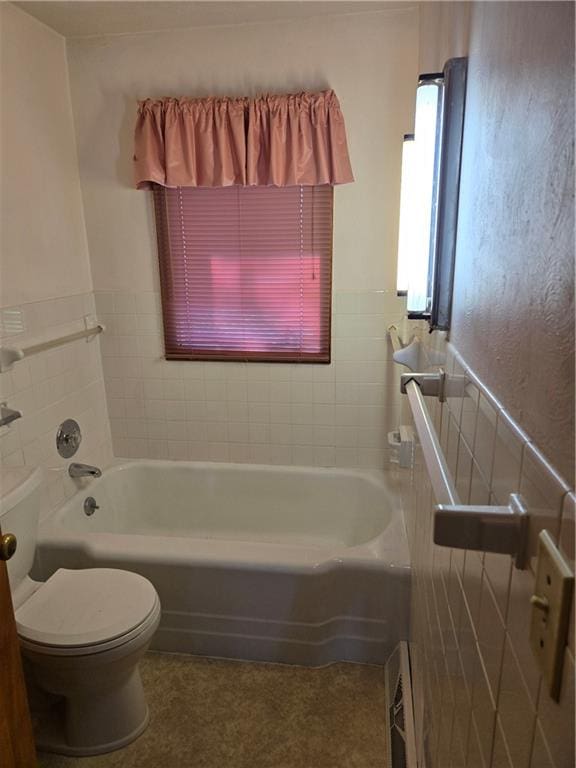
(399, 710)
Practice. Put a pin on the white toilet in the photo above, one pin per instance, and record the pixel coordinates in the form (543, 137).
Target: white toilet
(82, 635)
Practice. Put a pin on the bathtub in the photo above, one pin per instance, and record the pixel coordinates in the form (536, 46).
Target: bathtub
(281, 564)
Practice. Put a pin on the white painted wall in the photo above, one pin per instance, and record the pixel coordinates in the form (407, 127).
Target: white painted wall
(371, 62)
(45, 275)
(43, 238)
(444, 33)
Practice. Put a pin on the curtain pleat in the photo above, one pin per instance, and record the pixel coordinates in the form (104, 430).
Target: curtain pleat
(298, 139)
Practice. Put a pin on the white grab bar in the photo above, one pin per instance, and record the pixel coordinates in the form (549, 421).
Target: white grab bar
(438, 471)
(9, 355)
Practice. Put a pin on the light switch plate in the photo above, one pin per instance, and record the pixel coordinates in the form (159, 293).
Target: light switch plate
(549, 624)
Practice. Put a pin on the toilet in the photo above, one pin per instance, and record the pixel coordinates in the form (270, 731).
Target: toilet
(82, 634)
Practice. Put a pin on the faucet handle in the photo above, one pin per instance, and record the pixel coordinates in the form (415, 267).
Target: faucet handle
(68, 438)
(90, 506)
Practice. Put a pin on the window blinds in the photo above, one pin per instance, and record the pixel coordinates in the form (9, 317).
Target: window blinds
(246, 272)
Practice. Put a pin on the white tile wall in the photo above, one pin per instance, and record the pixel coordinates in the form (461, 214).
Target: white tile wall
(65, 382)
(484, 701)
(325, 415)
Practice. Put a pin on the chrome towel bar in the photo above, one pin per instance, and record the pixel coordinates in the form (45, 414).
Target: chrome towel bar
(499, 529)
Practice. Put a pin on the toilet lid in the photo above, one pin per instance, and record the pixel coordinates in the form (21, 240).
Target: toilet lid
(86, 607)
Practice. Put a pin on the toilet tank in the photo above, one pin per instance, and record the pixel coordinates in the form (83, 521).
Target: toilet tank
(21, 496)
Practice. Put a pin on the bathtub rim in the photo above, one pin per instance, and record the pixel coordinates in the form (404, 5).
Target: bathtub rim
(389, 549)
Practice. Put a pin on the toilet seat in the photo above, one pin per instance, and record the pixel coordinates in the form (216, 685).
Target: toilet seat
(87, 611)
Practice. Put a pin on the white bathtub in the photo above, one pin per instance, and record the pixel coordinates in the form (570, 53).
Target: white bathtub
(304, 566)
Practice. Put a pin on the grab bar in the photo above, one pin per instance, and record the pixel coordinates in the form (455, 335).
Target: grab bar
(499, 529)
(9, 355)
(436, 464)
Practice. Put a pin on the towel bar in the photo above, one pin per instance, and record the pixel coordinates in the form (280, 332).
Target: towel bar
(9, 355)
(499, 529)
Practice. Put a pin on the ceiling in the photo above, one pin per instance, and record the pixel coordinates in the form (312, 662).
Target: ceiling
(85, 18)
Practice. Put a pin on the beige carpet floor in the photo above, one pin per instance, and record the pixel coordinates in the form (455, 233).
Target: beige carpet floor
(207, 713)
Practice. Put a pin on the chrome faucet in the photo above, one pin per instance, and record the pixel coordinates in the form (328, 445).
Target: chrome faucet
(83, 470)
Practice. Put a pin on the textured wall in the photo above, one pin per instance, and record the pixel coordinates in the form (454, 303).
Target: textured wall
(480, 699)
(514, 290)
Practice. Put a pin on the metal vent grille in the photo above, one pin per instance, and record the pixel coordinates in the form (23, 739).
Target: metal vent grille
(401, 743)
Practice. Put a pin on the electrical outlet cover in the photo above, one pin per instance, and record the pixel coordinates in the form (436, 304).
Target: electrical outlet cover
(551, 606)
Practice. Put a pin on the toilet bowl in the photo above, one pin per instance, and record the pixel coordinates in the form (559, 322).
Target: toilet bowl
(82, 634)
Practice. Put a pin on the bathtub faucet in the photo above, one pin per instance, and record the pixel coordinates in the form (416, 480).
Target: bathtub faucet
(83, 470)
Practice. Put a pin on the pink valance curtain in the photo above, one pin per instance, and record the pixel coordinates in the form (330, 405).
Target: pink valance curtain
(278, 141)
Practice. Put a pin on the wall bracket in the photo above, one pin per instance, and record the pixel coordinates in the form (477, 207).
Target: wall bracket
(503, 530)
(430, 384)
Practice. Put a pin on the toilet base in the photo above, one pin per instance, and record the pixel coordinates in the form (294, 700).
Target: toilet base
(86, 712)
(49, 737)
(88, 704)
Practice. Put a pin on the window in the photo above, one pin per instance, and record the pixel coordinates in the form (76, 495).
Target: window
(429, 195)
(246, 272)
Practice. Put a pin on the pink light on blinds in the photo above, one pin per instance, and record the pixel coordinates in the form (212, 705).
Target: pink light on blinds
(246, 272)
